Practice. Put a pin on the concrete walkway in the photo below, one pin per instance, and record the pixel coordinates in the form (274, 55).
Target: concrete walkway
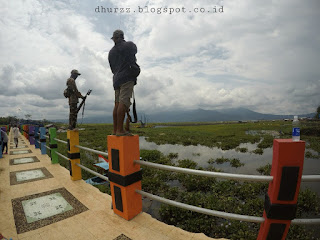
(90, 217)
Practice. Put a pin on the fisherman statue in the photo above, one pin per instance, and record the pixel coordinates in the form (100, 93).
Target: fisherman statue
(73, 94)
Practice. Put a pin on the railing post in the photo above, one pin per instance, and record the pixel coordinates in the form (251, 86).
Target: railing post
(124, 175)
(31, 135)
(24, 130)
(53, 145)
(1, 144)
(36, 137)
(43, 140)
(281, 200)
(74, 154)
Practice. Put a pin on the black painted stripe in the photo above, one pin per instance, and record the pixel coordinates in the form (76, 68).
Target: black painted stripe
(118, 198)
(73, 155)
(279, 211)
(276, 231)
(288, 184)
(125, 180)
(115, 160)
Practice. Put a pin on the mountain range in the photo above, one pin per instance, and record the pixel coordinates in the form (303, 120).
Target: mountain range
(199, 115)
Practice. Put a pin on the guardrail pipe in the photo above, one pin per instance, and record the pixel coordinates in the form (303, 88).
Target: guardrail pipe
(281, 200)
(124, 175)
(53, 145)
(31, 135)
(43, 140)
(74, 154)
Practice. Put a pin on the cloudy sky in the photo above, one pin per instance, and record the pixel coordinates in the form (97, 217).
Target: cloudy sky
(262, 55)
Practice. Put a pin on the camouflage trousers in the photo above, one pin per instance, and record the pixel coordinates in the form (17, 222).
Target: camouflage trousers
(73, 115)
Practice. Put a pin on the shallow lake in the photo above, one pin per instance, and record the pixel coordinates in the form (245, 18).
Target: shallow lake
(252, 161)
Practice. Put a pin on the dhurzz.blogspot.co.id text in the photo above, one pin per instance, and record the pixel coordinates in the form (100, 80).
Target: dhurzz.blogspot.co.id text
(159, 10)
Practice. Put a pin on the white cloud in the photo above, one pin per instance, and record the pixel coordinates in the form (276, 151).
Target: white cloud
(260, 55)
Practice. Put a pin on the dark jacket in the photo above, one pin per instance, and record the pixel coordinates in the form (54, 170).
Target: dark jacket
(120, 57)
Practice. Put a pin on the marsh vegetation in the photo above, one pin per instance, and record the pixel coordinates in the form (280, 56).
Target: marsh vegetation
(245, 198)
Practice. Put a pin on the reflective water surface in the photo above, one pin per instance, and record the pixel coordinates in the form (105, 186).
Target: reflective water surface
(252, 161)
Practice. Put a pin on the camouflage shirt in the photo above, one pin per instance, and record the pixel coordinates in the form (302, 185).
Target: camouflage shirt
(73, 91)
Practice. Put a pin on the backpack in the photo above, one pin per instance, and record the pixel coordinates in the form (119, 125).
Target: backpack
(67, 92)
(134, 69)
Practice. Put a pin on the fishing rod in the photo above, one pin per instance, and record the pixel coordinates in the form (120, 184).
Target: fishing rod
(83, 101)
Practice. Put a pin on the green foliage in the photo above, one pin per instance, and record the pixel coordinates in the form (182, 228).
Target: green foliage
(224, 136)
(243, 150)
(8, 120)
(308, 202)
(211, 161)
(266, 142)
(301, 233)
(173, 155)
(236, 163)
(233, 162)
(265, 170)
(245, 198)
(222, 160)
(151, 155)
(310, 155)
(105, 188)
(258, 151)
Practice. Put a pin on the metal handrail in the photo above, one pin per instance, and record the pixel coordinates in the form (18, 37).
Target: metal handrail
(85, 168)
(47, 147)
(93, 172)
(310, 178)
(231, 176)
(243, 177)
(64, 157)
(59, 140)
(92, 150)
(203, 210)
(306, 221)
(47, 136)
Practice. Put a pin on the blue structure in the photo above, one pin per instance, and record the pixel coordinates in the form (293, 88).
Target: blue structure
(36, 136)
(31, 135)
(43, 140)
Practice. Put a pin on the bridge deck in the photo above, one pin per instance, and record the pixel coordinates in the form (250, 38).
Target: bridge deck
(44, 203)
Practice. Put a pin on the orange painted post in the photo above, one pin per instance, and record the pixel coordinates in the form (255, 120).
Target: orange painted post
(26, 132)
(281, 200)
(74, 154)
(124, 175)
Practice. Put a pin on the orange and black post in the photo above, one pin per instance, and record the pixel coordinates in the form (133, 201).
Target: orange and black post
(125, 175)
(280, 205)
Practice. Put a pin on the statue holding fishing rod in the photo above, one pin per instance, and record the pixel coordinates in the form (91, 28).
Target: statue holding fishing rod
(73, 94)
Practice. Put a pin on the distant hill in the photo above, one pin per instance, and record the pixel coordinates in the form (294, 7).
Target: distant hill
(199, 115)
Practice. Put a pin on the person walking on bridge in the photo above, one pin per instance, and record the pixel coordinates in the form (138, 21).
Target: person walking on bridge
(4, 137)
(121, 58)
(73, 95)
(16, 132)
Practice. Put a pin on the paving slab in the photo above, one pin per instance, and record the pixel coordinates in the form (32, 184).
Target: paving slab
(59, 208)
